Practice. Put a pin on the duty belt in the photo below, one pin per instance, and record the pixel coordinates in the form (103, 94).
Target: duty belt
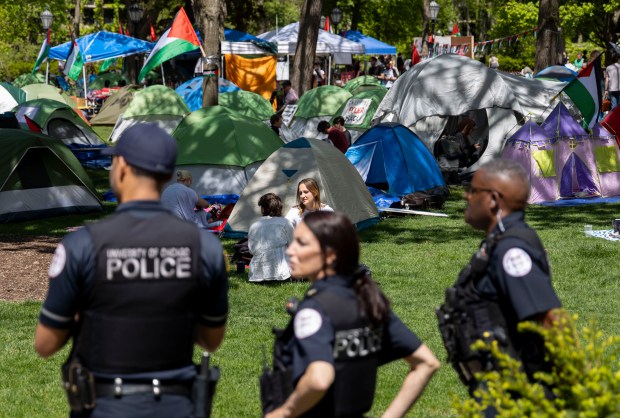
(119, 388)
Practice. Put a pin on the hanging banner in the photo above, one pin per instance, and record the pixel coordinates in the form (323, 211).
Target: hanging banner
(355, 111)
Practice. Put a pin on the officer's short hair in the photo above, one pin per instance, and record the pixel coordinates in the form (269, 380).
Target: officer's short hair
(270, 205)
(160, 178)
(507, 170)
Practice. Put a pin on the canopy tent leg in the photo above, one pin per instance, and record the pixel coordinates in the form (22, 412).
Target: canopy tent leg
(47, 71)
(84, 80)
(329, 75)
(163, 79)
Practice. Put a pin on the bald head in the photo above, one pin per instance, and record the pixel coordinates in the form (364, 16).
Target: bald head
(510, 179)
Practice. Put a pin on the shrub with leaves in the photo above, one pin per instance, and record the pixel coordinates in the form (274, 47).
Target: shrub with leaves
(584, 377)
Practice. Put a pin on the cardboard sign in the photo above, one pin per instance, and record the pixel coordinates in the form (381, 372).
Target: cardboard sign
(288, 113)
(355, 111)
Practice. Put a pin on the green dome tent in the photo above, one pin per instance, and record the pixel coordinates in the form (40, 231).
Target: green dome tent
(363, 83)
(341, 185)
(40, 177)
(247, 103)
(28, 78)
(359, 110)
(10, 96)
(47, 91)
(222, 149)
(315, 105)
(114, 106)
(155, 104)
(57, 120)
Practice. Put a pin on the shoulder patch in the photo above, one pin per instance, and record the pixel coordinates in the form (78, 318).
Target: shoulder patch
(307, 322)
(58, 262)
(517, 262)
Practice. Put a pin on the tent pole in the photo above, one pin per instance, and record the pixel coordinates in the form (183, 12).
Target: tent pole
(163, 79)
(84, 80)
(47, 72)
(329, 75)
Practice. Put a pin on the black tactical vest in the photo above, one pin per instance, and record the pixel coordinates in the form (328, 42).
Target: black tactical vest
(356, 358)
(140, 316)
(468, 316)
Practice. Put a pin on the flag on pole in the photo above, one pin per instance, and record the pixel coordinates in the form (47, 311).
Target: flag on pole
(153, 34)
(106, 64)
(120, 28)
(179, 39)
(455, 30)
(43, 53)
(585, 91)
(327, 25)
(74, 63)
(415, 56)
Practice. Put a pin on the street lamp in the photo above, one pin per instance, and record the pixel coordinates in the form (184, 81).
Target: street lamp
(135, 13)
(46, 18)
(434, 11)
(336, 17)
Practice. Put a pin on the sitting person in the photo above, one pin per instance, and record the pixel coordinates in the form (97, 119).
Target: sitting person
(457, 151)
(182, 200)
(308, 200)
(268, 239)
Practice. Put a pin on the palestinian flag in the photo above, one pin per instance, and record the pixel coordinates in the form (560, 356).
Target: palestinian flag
(179, 39)
(455, 30)
(585, 92)
(74, 63)
(43, 53)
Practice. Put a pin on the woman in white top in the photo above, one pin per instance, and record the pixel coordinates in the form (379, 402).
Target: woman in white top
(308, 200)
(268, 239)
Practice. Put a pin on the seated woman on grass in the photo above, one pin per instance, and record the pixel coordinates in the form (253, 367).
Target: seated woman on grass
(308, 200)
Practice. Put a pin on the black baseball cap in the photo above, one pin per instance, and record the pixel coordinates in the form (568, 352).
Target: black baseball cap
(146, 146)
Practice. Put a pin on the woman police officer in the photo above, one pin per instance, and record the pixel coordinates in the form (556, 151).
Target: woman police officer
(344, 329)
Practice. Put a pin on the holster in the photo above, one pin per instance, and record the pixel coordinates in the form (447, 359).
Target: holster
(203, 390)
(79, 384)
(276, 385)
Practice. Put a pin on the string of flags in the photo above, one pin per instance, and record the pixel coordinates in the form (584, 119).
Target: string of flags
(490, 44)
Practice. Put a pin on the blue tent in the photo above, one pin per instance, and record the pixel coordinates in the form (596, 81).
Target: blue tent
(557, 72)
(103, 45)
(391, 157)
(191, 91)
(373, 46)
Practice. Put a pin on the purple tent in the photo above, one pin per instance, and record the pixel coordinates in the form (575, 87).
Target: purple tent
(532, 147)
(607, 157)
(574, 155)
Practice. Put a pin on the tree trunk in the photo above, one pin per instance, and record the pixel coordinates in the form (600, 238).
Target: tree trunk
(77, 16)
(548, 33)
(305, 51)
(210, 16)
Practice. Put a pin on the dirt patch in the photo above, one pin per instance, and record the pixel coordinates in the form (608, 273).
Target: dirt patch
(24, 262)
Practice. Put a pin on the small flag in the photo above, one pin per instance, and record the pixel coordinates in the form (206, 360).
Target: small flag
(120, 28)
(43, 53)
(455, 30)
(32, 125)
(585, 91)
(106, 64)
(327, 25)
(153, 34)
(179, 39)
(74, 63)
(415, 56)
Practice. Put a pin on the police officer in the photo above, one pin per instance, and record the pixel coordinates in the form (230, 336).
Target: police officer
(344, 329)
(507, 281)
(135, 291)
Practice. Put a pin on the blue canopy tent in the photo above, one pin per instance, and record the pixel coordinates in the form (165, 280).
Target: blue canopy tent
(373, 46)
(191, 91)
(391, 157)
(103, 45)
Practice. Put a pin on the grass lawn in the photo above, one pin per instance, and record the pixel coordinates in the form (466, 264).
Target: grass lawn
(414, 259)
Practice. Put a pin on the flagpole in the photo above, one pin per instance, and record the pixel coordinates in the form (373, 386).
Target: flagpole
(84, 79)
(163, 79)
(47, 72)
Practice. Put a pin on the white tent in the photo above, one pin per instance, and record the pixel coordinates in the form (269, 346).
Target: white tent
(433, 94)
(341, 186)
(327, 44)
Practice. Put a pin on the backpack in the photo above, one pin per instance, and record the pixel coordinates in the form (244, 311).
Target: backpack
(428, 199)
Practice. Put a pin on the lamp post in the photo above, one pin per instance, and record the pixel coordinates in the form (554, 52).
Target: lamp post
(135, 15)
(336, 17)
(434, 12)
(46, 21)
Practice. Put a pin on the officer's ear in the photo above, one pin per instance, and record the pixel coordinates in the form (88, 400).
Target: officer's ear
(494, 200)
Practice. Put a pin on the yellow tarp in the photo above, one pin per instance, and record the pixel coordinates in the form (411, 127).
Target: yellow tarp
(607, 159)
(545, 161)
(252, 74)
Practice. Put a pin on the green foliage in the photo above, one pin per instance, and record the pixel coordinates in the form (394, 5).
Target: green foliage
(585, 376)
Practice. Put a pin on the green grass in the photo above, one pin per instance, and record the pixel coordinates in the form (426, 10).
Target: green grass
(414, 259)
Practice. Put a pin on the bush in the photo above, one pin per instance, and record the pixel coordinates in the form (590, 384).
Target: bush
(584, 378)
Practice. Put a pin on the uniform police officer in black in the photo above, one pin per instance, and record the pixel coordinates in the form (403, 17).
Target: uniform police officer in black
(344, 329)
(136, 290)
(507, 281)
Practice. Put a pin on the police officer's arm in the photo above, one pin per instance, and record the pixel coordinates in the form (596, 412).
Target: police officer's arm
(423, 364)
(214, 307)
(311, 387)
(70, 274)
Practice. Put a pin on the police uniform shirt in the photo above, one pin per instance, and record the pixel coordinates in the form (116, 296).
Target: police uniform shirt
(314, 333)
(73, 269)
(518, 270)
